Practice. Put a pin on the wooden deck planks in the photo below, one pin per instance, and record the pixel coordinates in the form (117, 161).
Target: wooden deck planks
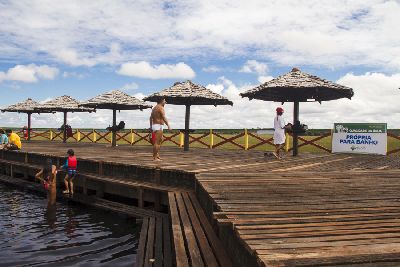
(154, 243)
(201, 243)
(167, 242)
(179, 242)
(149, 257)
(193, 249)
(141, 252)
(158, 242)
(297, 218)
(206, 250)
(215, 243)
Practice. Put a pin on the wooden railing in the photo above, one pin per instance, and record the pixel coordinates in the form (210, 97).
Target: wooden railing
(245, 140)
(313, 142)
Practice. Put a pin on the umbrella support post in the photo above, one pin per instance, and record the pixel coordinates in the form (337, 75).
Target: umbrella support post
(295, 133)
(29, 126)
(187, 119)
(65, 128)
(114, 134)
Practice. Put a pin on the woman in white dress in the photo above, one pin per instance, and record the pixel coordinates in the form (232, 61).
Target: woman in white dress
(279, 133)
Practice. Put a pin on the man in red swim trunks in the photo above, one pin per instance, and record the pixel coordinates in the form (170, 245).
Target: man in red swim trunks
(157, 122)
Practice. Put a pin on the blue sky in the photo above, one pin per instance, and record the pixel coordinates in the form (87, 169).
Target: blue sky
(83, 49)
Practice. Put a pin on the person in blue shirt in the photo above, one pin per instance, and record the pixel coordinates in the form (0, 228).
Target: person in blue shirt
(3, 137)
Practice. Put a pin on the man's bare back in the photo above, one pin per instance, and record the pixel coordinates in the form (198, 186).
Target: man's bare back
(157, 115)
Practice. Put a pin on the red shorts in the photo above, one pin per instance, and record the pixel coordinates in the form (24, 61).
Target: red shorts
(153, 138)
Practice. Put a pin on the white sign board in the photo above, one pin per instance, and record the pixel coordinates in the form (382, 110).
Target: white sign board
(364, 138)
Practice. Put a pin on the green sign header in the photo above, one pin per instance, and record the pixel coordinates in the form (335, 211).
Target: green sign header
(360, 127)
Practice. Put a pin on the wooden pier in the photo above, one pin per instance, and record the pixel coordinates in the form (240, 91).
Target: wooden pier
(312, 210)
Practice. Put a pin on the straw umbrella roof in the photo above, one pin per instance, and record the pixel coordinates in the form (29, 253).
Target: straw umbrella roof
(189, 93)
(27, 106)
(115, 99)
(63, 104)
(298, 86)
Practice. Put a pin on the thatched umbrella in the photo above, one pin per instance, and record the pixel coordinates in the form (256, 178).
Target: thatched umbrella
(63, 104)
(188, 93)
(28, 106)
(115, 100)
(297, 86)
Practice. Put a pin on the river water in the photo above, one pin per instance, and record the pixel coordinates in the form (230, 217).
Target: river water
(70, 235)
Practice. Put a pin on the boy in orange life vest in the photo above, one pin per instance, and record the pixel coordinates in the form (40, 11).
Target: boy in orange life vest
(70, 166)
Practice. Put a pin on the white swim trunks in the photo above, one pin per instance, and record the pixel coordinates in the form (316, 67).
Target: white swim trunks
(157, 127)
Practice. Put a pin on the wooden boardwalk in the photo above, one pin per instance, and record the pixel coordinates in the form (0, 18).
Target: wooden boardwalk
(311, 218)
(207, 160)
(313, 210)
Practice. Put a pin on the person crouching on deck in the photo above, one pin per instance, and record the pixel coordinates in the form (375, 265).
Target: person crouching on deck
(70, 166)
(14, 141)
(279, 133)
(157, 121)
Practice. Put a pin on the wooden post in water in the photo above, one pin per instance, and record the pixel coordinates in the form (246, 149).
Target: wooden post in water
(296, 124)
(187, 119)
(29, 125)
(114, 131)
(65, 128)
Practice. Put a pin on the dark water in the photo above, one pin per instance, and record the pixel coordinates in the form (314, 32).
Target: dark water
(71, 235)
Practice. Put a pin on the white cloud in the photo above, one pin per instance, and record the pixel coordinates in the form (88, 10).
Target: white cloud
(29, 73)
(46, 99)
(264, 79)
(216, 88)
(211, 69)
(129, 87)
(143, 69)
(253, 66)
(79, 76)
(139, 95)
(71, 57)
(84, 33)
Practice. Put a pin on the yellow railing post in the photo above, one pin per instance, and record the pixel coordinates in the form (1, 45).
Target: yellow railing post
(94, 136)
(78, 135)
(51, 135)
(246, 139)
(181, 139)
(132, 137)
(211, 138)
(287, 143)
